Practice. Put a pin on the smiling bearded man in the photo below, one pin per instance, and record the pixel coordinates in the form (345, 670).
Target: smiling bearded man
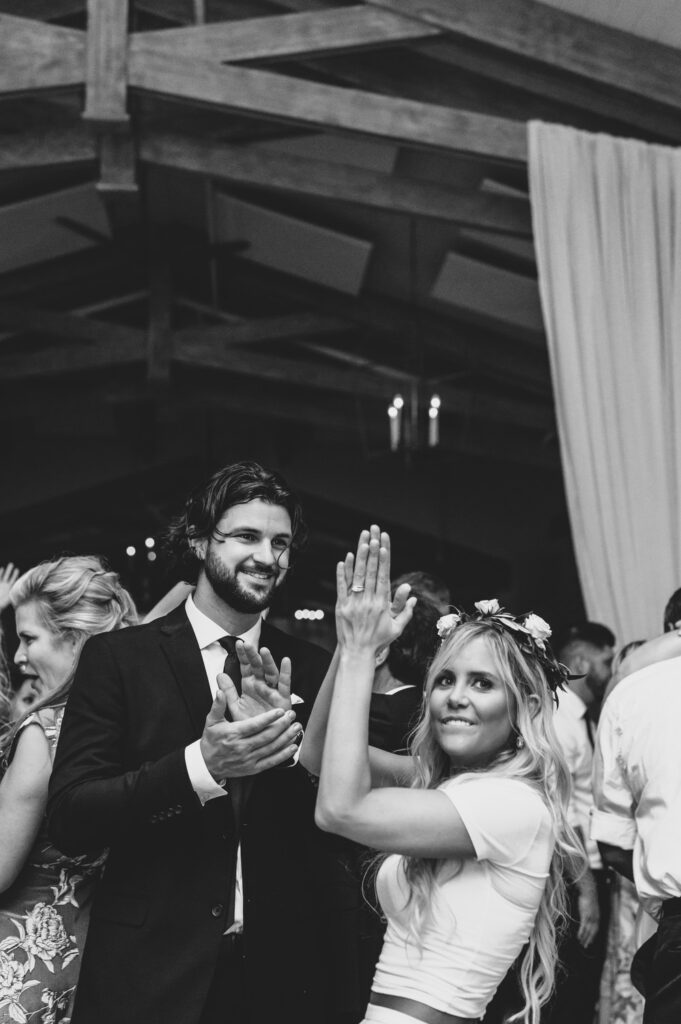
(215, 866)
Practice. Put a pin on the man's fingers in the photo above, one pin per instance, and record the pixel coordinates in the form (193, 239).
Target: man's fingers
(269, 667)
(273, 739)
(285, 678)
(259, 724)
(218, 707)
(249, 659)
(228, 689)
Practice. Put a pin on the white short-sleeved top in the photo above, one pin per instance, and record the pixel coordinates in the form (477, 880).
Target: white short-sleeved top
(483, 909)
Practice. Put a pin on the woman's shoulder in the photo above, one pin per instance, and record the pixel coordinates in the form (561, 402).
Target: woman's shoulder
(48, 719)
(500, 790)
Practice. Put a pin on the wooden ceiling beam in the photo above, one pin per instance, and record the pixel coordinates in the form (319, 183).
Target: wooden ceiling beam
(325, 377)
(477, 351)
(597, 53)
(262, 93)
(258, 166)
(35, 55)
(248, 332)
(47, 145)
(285, 36)
(651, 119)
(69, 326)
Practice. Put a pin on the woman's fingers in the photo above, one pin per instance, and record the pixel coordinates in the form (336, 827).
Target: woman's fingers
(349, 568)
(372, 565)
(383, 579)
(360, 568)
(400, 598)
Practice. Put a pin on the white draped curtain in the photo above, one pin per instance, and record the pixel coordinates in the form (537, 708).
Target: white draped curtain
(607, 231)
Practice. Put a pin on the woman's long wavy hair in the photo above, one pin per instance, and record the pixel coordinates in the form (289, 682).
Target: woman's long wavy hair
(5, 690)
(539, 762)
(75, 596)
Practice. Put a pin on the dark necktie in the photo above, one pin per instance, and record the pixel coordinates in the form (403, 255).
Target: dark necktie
(232, 665)
(237, 787)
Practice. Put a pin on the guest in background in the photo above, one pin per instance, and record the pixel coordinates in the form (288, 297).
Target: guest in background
(424, 584)
(9, 574)
(588, 653)
(619, 1001)
(637, 819)
(399, 677)
(22, 698)
(45, 896)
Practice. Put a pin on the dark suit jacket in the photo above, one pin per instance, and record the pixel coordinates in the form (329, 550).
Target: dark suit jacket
(119, 781)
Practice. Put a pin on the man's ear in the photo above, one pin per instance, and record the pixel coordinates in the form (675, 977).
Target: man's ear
(381, 656)
(580, 665)
(199, 548)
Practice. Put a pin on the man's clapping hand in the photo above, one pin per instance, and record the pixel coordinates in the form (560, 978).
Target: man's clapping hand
(263, 685)
(263, 733)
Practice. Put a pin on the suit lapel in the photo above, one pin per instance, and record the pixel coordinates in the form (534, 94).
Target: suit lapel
(179, 645)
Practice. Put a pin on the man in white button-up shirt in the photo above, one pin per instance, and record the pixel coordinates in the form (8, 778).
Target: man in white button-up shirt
(637, 818)
(215, 866)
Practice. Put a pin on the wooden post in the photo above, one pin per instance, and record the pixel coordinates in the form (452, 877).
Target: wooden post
(106, 93)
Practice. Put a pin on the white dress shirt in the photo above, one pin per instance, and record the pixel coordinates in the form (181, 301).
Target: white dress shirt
(637, 778)
(208, 635)
(572, 727)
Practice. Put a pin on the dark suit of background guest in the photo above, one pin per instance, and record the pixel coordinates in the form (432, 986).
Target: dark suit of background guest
(158, 919)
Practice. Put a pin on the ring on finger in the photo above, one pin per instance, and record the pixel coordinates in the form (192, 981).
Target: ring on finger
(356, 589)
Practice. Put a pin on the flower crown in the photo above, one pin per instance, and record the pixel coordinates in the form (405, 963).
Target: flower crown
(530, 632)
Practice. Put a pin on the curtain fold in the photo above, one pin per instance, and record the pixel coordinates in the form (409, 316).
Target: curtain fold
(607, 228)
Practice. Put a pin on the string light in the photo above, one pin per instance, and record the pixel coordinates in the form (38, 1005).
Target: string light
(308, 613)
(151, 555)
(131, 551)
(150, 543)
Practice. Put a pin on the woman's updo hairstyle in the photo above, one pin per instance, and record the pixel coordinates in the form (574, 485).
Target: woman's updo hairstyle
(76, 597)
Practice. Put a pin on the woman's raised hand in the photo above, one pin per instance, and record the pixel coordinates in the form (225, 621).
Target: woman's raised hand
(365, 616)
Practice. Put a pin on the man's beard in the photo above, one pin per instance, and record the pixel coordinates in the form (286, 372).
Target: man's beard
(227, 587)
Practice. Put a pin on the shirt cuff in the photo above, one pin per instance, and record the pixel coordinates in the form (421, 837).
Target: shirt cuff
(610, 828)
(203, 783)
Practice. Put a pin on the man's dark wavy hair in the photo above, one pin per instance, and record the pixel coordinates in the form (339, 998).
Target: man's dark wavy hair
(233, 485)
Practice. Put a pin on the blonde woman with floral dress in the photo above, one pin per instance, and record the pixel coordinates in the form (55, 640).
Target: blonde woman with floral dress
(44, 895)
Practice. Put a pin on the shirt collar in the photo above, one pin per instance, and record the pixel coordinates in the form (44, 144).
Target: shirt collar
(573, 704)
(208, 632)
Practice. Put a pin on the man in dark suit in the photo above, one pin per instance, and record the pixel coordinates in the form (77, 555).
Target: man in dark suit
(212, 904)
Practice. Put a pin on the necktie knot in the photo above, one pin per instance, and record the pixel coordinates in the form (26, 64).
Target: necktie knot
(228, 643)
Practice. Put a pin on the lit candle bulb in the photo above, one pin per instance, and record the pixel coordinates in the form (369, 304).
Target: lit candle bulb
(393, 415)
(433, 426)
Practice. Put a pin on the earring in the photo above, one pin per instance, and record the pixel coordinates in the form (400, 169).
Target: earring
(520, 743)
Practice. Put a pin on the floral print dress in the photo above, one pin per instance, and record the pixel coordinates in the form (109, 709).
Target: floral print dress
(43, 920)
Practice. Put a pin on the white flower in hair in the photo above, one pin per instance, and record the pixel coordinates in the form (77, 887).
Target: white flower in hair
(538, 629)
(490, 607)
(447, 623)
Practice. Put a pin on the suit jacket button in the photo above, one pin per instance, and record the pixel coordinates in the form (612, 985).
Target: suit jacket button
(218, 910)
